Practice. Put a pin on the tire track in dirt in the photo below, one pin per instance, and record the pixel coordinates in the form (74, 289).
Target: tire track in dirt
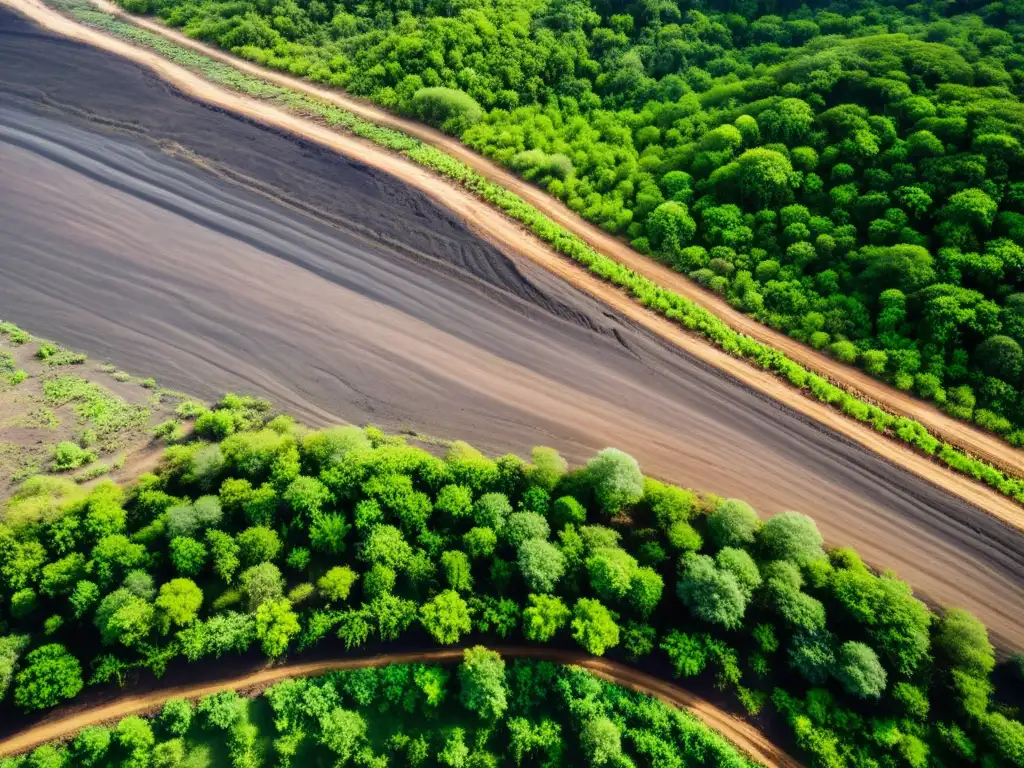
(741, 733)
(399, 315)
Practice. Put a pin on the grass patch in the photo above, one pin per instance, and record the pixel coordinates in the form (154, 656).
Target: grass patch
(106, 413)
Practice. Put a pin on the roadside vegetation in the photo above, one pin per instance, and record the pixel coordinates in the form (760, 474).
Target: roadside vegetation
(482, 715)
(259, 533)
(848, 173)
(649, 294)
(61, 416)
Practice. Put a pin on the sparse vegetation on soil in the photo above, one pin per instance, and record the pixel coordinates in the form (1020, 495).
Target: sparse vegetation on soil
(61, 415)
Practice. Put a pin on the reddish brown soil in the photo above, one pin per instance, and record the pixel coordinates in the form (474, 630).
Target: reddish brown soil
(399, 315)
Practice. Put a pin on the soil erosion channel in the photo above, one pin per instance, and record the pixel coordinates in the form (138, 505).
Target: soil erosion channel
(385, 308)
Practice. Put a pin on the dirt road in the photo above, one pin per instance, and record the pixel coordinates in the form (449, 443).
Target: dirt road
(975, 441)
(739, 732)
(395, 313)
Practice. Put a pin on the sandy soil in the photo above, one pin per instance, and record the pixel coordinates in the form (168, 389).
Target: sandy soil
(133, 256)
(739, 732)
(975, 441)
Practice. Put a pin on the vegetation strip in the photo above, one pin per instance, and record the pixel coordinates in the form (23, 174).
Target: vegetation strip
(650, 295)
(747, 738)
(260, 533)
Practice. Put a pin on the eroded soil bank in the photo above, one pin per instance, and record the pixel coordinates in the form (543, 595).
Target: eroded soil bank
(132, 229)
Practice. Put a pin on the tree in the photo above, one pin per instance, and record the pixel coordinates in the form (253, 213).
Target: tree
(188, 555)
(457, 571)
(543, 617)
(446, 617)
(542, 564)
(522, 526)
(447, 108)
(480, 542)
(611, 569)
(90, 746)
(83, 598)
(456, 501)
(135, 736)
(1000, 356)
(328, 532)
(594, 627)
(482, 680)
(49, 675)
(225, 554)
(307, 496)
(261, 583)
(176, 716)
(179, 603)
(791, 536)
(711, 593)
(336, 584)
(961, 642)
(548, 466)
(169, 754)
(645, 590)
(276, 625)
(124, 617)
(343, 732)
(221, 710)
(601, 741)
(616, 480)
(687, 653)
(764, 176)
(670, 227)
(492, 510)
(733, 524)
(258, 544)
(386, 545)
(859, 671)
(741, 565)
(115, 555)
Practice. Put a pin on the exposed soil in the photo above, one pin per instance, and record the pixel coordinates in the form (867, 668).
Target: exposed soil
(954, 431)
(386, 308)
(739, 732)
(31, 426)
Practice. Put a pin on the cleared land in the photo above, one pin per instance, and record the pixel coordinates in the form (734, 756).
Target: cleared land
(398, 315)
(741, 733)
(959, 433)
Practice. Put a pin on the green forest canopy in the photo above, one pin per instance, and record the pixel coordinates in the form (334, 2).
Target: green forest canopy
(265, 534)
(846, 172)
(483, 716)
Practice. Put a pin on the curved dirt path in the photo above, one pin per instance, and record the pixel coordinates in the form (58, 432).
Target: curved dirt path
(741, 733)
(953, 431)
(509, 236)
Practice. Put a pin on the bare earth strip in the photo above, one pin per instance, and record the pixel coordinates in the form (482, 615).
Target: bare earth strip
(953, 431)
(400, 316)
(739, 732)
(506, 234)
